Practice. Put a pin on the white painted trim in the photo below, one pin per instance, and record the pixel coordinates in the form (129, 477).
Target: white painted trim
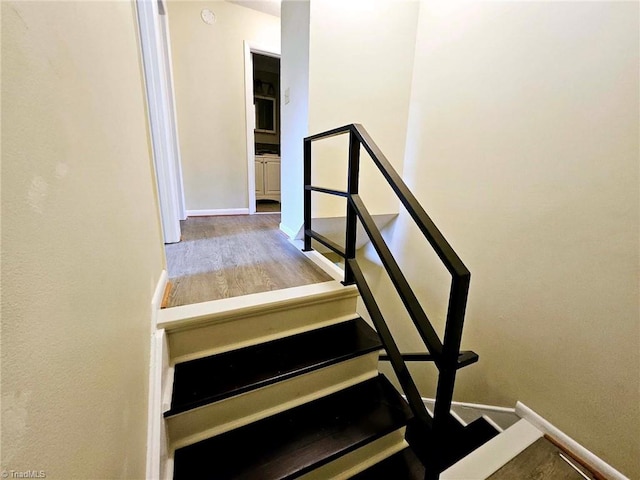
(324, 263)
(246, 305)
(155, 77)
(207, 421)
(569, 443)
(358, 460)
(156, 300)
(487, 459)
(476, 406)
(491, 422)
(458, 419)
(217, 211)
(290, 233)
(250, 126)
(171, 104)
(248, 49)
(155, 438)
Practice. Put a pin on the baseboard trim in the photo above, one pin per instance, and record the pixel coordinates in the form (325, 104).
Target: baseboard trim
(324, 263)
(217, 211)
(293, 235)
(477, 406)
(594, 462)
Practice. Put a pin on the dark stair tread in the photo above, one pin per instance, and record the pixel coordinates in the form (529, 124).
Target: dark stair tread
(462, 441)
(207, 380)
(404, 465)
(299, 440)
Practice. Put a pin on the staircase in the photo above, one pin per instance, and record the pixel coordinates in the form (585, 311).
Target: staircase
(286, 386)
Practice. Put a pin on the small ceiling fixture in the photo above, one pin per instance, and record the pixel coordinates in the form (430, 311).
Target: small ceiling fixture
(208, 16)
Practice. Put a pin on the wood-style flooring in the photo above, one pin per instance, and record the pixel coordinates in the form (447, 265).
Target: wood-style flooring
(267, 206)
(541, 461)
(229, 256)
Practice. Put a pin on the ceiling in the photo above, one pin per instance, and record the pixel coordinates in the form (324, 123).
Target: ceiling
(271, 7)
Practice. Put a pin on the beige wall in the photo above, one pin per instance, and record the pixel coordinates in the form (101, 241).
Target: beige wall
(361, 58)
(81, 241)
(208, 68)
(294, 68)
(523, 146)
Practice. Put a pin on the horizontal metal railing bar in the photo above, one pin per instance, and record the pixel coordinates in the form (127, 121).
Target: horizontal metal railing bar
(467, 358)
(400, 368)
(331, 133)
(464, 358)
(410, 357)
(330, 191)
(326, 242)
(411, 303)
(433, 235)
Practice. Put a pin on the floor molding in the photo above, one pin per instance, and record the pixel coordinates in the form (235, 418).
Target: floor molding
(290, 233)
(476, 406)
(594, 462)
(324, 263)
(217, 211)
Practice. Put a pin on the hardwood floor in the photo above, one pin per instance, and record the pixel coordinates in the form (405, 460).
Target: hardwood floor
(267, 206)
(541, 461)
(229, 256)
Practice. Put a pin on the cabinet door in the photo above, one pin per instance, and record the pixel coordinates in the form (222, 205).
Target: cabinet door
(259, 177)
(271, 177)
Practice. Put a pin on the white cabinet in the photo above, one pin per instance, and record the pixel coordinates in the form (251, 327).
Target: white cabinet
(267, 177)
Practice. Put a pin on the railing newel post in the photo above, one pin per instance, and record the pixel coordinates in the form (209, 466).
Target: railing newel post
(307, 193)
(446, 353)
(353, 177)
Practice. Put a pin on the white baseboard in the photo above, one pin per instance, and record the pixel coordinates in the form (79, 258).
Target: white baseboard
(156, 300)
(293, 235)
(594, 462)
(324, 263)
(217, 211)
(476, 406)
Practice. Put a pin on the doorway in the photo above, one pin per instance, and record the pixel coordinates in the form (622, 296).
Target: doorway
(263, 130)
(266, 103)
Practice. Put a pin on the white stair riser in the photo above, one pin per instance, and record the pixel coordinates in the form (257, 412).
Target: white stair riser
(205, 422)
(360, 459)
(219, 336)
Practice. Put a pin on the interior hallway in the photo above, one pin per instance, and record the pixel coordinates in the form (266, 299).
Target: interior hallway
(229, 256)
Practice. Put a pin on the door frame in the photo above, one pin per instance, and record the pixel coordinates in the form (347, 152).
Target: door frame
(156, 64)
(249, 48)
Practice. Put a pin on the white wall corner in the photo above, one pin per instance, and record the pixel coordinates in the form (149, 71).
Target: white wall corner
(156, 440)
(324, 263)
(594, 462)
(292, 234)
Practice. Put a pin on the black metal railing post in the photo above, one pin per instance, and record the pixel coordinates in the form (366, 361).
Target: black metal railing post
(353, 176)
(439, 431)
(307, 193)
(450, 353)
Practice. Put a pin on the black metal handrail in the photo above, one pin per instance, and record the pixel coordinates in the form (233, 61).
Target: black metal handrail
(445, 354)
